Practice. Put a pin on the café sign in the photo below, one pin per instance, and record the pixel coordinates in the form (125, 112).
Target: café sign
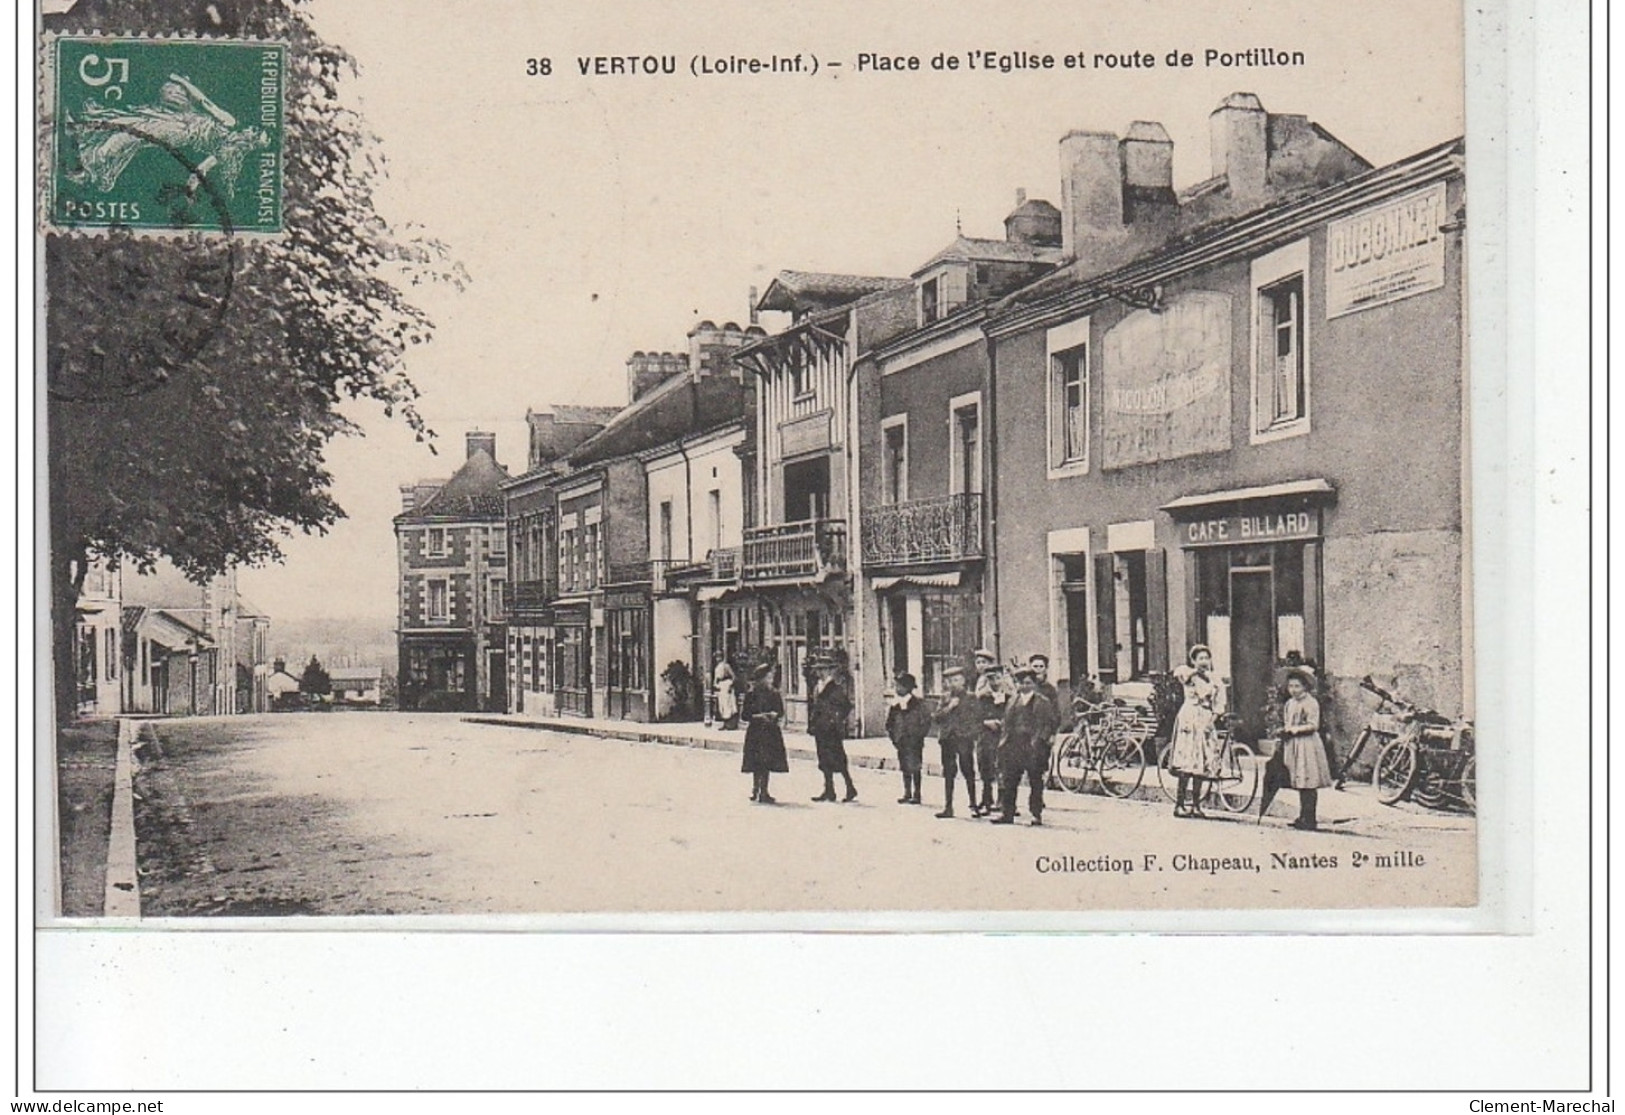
(1386, 253)
(1252, 528)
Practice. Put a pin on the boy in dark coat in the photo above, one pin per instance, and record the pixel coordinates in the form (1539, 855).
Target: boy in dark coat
(993, 696)
(907, 722)
(1029, 723)
(828, 706)
(959, 724)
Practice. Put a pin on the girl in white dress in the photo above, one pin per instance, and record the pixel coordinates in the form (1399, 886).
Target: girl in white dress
(1303, 752)
(1197, 754)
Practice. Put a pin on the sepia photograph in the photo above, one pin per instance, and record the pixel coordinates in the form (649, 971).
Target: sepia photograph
(503, 470)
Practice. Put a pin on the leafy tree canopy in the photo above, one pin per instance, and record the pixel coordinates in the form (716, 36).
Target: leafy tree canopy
(315, 679)
(194, 383)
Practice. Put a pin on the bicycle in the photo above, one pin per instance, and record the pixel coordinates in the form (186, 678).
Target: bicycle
(1104, 741)
(1237, 784)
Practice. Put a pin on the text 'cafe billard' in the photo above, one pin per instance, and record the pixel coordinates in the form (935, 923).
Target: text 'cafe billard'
(1252, 581)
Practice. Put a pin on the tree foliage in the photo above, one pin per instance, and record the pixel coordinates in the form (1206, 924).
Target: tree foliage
(193, 384)
(315, 679)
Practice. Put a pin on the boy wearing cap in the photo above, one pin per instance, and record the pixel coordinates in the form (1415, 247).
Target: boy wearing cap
(992, 695)
(959, 725)
(907, 722)
(1029, 723)
(1038, 766)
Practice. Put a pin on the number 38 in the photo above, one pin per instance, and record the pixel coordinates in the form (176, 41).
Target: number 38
(538, 67)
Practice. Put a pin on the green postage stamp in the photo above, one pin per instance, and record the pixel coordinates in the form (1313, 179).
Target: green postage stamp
(166, 134)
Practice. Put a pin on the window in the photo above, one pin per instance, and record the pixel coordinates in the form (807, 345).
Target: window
(1280, 344)
(1280, 388)
(664, 542)
(438, 602)
(713, 501)
(592, 558)
(437, 542)
(110, 653)
(965, 444)
(1071, 405)
(894, 459)
(1067, 398)
(496, 609)
(930, 303)
(800, 377)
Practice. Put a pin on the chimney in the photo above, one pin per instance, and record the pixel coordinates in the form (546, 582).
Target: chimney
(711, 348)
(1239, 128)
(755, 313)
(409, 497)
(1148, 169)
(478, 440)
(279, 665)
(647, 370)
(1091, 189)
(1021, 196)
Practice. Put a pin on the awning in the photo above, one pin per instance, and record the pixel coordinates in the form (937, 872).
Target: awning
(707, 593)
(1299, 488)
(922, 580)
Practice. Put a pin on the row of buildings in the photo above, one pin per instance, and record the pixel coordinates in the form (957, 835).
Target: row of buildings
(159, 644)
(1146, 418)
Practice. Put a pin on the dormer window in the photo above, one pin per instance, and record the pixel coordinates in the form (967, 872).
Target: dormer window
(930, 302)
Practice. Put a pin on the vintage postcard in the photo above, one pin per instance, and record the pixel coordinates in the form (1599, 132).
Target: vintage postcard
(546, 460)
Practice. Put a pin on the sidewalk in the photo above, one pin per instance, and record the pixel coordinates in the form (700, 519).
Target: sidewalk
(1357, 803)
(873, 752)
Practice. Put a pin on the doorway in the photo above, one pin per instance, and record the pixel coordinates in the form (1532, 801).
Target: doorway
(1252, 649)
(806, 490)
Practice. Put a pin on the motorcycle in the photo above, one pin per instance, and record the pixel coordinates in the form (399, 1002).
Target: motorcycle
(1422, 755)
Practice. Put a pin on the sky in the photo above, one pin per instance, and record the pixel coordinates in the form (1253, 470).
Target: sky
(598, 215)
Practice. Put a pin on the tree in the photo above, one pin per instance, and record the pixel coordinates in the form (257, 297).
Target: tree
(315, 680)
(193, 384)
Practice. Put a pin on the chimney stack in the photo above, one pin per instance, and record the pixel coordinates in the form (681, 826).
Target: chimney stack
(1091, 189)
(755, 313)
(1148, 169)
(409, 497)
(711, 348)
(1239, 128)
(647, 370)
(478, 440)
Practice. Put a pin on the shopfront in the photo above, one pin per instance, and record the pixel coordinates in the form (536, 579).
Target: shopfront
(1253, 586)
(929, 622)
(626, 622)
(572, 657)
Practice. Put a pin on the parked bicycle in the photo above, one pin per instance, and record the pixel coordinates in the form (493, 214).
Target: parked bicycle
(1237, 784)
(1423, 755)
(1107, 740)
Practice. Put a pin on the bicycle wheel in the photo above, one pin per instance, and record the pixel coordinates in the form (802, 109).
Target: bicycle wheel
(1070, 767)
(1395, 772)
(1469, 784)
(1236, 790)
(1122, 766)
(1167, 780)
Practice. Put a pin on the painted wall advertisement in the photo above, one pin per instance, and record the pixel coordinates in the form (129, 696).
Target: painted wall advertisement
(1387, 253)
(1167, 382)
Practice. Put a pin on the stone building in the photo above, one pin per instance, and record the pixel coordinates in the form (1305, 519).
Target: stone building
(591, 625)
(795, 571)
(921, 430)
(452, 552)
(1248, 404)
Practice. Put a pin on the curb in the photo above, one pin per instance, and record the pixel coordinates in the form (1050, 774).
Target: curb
(672, 739)
(122, 896)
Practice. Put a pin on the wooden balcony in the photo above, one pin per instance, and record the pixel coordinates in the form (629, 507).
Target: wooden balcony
(790, 551)
(922, 531)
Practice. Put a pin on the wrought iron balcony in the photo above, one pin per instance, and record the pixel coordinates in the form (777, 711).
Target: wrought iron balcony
(946, 528)
(794, 550)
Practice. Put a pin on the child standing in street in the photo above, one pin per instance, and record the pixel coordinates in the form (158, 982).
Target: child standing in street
(907, 722)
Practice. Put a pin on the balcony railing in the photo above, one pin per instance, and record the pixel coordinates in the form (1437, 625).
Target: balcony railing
(808, 549)
(532, 596)
(947, 528)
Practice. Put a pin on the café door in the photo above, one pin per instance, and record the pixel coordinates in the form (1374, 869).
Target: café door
(1252, 649)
